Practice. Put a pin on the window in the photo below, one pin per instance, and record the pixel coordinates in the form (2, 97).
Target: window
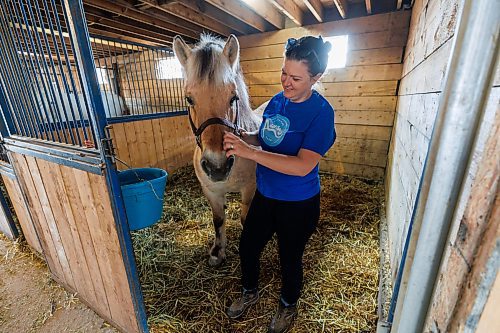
(102, 75)
(169, 68)
(338, 55)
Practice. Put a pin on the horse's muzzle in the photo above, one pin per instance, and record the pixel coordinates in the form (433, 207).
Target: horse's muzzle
(217, 173)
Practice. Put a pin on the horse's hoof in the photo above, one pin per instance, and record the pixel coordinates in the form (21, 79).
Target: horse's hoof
(215, 261)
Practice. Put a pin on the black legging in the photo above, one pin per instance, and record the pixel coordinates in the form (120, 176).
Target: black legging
(294, 222)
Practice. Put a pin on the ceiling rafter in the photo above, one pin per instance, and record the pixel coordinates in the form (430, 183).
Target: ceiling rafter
(242, 12)
(177, 9)
(268, 12)
(206, 9)
(290, 9)
(368, 4)
(316, 8)
(341, 7)
(147, 34)
(126, 10)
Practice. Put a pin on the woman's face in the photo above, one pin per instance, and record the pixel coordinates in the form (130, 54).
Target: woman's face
(296, 80)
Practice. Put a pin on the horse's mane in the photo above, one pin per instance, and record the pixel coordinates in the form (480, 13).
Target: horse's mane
(207, 66)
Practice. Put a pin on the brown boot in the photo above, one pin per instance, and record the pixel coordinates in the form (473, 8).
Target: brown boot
(283, 319)
(242, 303)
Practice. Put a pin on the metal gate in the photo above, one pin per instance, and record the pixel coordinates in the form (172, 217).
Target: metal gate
(57, 138)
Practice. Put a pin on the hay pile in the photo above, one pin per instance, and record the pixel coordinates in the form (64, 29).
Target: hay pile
(183, 294)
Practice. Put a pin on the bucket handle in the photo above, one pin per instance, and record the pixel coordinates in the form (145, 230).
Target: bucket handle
(139, 178)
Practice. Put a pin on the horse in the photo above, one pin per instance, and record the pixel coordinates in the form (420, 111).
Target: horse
(218, 100)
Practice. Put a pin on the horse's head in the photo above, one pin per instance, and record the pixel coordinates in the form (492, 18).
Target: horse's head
(214, 89)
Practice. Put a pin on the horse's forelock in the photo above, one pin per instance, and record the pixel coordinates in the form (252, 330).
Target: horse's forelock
(207, 62)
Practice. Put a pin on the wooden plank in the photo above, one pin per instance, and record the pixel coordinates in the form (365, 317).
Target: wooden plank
(103, 233)
(388, 55)
(132, 144)
(357, 73)
(368, 88)
(268, 12)
(355, 157)
(316, 8)
(142, 145)
(122, 311)
(363, 132)
(361, 117)
(240, 11)
(158, 143)
(148, 135)
(341, 7)
(348, 103)
(391, 21)
(362, 145)
(82, 235)
(22, 213)
(351, 169)
(64, 220)
(380, 103)
(290, 9)
(44, 236)
(372, 40)
(57, 234)
(121, 147)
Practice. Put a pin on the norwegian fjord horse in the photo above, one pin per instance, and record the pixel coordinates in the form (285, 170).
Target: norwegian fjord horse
(218, 101)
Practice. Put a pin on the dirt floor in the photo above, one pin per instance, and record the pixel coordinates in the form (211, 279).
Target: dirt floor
(30, 301)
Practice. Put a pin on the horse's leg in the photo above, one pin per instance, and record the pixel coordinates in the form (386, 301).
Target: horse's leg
(247, 194)
(217, 253)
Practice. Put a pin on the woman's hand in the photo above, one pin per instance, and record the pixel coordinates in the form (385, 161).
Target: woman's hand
(233, 145)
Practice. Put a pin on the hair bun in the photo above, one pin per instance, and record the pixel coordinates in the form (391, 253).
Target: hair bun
(327, 47)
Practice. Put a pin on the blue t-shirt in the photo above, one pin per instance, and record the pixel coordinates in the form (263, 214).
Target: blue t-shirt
(286, 128)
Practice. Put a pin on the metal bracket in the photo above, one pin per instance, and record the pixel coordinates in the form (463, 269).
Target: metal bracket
(107, 145)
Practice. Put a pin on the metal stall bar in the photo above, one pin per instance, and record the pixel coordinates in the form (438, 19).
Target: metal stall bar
(16, 95)
(462, 104)
(36, 43)
(98, 120)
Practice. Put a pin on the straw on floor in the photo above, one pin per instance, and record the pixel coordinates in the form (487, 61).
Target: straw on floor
(183, 294)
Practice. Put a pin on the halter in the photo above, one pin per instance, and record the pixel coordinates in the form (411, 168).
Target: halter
(214, 121)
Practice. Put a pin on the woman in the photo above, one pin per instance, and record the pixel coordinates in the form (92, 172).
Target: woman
(296, 131)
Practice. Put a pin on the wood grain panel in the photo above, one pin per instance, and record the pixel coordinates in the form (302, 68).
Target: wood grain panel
(22, 213)
(351, 169)
(165, 143)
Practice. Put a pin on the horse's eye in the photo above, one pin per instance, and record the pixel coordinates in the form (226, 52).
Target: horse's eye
(189, 100)
(233, 99)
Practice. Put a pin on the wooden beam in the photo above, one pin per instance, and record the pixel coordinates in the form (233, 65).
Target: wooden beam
(129, 11)
(145, 33)
(207, 10)
(368, 7)
(341, 7)
(267, 11)
(186, 13)
(241, 12)
(316, 8)
(291, 9)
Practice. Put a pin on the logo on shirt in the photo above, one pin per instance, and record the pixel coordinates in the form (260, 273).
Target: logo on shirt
(274, 130)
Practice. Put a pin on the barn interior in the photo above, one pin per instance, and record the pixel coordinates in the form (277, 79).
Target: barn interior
(387, 84)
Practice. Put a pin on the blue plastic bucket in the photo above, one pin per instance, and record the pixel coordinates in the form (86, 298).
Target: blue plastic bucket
(142, 191)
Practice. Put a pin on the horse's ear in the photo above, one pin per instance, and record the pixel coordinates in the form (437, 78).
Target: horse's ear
(232, 50)
(181, 50)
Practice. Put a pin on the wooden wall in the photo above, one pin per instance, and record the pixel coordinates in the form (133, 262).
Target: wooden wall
(22, 213)
(72, 214)
(165, 143)
(363, 93)
(426, 57)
